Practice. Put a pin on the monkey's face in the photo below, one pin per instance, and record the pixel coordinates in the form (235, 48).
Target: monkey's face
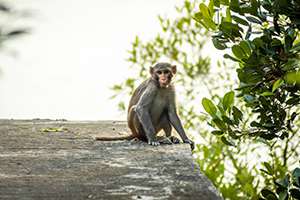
(163, 76)
(163, 73)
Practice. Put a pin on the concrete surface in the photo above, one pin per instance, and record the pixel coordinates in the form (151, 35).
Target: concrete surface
(69, 164)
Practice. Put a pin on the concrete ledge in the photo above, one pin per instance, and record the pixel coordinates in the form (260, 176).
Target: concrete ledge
(71, 165)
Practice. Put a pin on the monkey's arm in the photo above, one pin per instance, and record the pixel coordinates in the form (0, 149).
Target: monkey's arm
(177, 124)
(142, 111)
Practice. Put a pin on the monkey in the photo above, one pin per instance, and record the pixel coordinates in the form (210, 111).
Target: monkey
(152, 108)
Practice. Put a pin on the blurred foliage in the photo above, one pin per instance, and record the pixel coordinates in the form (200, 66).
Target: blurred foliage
(234, 164)
(8, 29)
(269, 82)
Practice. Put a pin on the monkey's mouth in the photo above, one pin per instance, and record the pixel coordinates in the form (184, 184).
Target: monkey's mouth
(163, 85)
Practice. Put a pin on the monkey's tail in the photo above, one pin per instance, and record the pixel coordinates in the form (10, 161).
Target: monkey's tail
(117, 137)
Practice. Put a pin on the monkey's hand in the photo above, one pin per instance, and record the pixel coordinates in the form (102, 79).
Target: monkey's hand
(174, 139)
(191, 142)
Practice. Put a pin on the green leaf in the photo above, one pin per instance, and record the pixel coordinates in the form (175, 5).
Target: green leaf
(276, 42)
(280, 189)
(217, 44)
(248, 34)
(226, 31)
(296, 21)
(293, 101)
(249, 70)
(217, 132)
(277, 84)
(243, 86)
(228, 15)
(245, 46)
(288, 42)
(237, 113)
(211, 7)
(268, 125)
(209, 107)
(286, 179)
(242, 75)
(258, 42)
(199, 16)
(251, 105)
(238, 52)
(292, 77)
(228, 100)
(220, 124)
(267, 94)
(227, 120)
(207, 18)
(202, 23)
(220, 107)
(295, 193)
(225, 141)
(231, 25)
(269, 168)
(240, 21)
(255, 124)
(262, 16)
(282, 195)
(296, 47)
(249, 189)
(296, 172)
(254, 20)
(218, 113)
(253, 79)
(264, 171)
(268, 194)
(280, 183)
(231, 58)
(268, 7)
(249, 98)
(290, 64)
(209, 22)
(253, 59)
(262, 140)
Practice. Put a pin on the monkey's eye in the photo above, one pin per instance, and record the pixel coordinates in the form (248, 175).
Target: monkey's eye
(159, 72)
(166, 71)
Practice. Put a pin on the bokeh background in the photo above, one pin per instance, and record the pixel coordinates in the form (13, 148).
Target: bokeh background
(74, 52)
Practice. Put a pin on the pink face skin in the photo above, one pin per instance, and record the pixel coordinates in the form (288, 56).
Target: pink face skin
(163, 77)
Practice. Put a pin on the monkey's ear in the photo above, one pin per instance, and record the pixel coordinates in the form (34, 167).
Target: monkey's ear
(174, 69)
(151, 70)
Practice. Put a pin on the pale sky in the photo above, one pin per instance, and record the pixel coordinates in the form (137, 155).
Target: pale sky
(75, 51)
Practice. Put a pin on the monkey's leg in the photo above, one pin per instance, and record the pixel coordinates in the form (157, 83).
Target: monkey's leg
(130, 119)
(164, 123)
(135, 126)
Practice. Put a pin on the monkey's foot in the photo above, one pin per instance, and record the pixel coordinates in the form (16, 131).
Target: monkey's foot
(164, 140)
(174, 139)
(153, 143)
